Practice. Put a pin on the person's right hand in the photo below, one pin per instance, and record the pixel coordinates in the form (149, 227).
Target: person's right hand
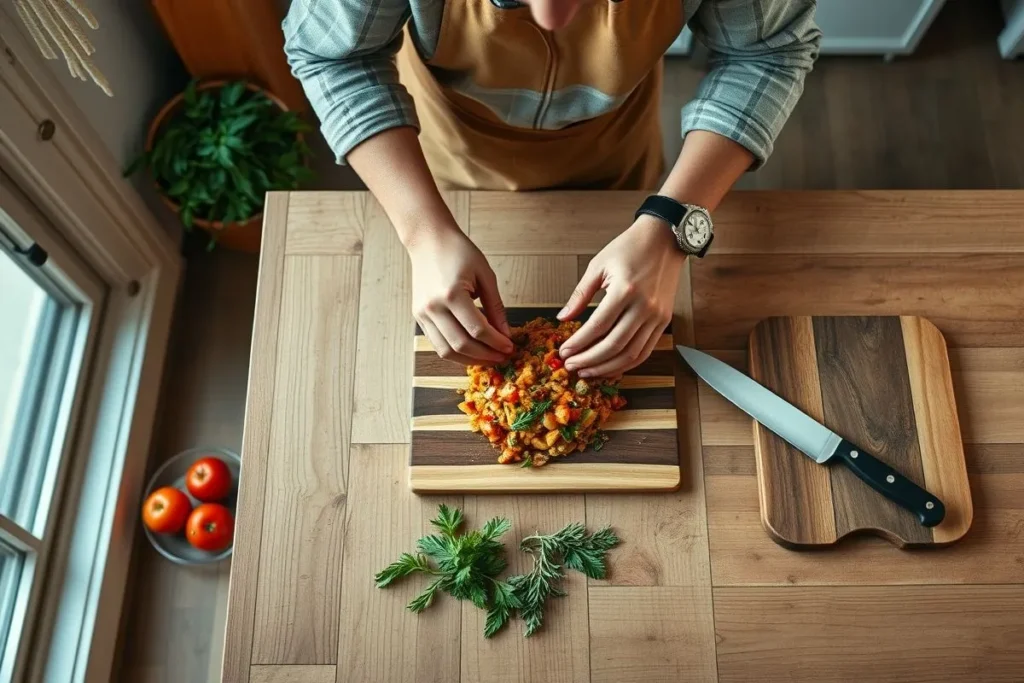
(448, 273)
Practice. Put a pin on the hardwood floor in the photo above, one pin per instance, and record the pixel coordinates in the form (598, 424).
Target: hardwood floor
(947, 117)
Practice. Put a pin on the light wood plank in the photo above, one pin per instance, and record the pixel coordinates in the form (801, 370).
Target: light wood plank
(666, 534)
(256, 443)
(763, 223)
(870, 633)
(560, 651)
(381, 641)
(973, 299)
(938, 427)
(292, 673)
(303, 531)
(989, 387)
(531, 279)
(565, 476)
(326, 223)
(654, 418)
(458, 203)
(383, 357)
(651, 634)
(742, 554)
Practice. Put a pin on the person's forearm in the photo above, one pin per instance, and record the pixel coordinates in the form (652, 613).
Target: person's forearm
(394, 169)
(707, 168)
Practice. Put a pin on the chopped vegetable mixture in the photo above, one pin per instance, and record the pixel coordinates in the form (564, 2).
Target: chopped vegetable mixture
(533, 409)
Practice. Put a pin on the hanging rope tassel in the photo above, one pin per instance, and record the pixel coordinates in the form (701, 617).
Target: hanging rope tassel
(53, 19)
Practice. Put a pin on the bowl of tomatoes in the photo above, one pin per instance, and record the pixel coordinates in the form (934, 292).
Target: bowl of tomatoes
(189, 510)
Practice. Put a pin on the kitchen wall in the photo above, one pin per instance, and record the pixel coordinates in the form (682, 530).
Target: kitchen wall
(141, 66)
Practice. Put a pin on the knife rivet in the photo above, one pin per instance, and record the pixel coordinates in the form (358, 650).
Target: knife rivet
(929, 505)
(890, 479)
(854, 454)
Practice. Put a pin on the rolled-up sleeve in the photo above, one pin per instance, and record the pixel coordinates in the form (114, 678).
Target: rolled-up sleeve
(760, 53)
(343, 53)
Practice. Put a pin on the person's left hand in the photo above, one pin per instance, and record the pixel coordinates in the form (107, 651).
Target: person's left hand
(639, 271)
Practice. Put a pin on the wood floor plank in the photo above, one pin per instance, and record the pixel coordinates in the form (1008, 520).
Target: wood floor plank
(742, 554)
(292, 673)
(651, 634)
(380, 640)
(256, 443)
(560, 652)
(326, 223)
(973, 299)
(383, 353)
(870, 633)
(299, 592)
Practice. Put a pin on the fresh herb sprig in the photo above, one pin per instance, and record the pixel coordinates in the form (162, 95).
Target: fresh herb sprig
(571, 547)
(467, 566)
(528, 417)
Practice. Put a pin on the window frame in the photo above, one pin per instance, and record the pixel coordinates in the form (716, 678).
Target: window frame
(77, 185)
(72, 283)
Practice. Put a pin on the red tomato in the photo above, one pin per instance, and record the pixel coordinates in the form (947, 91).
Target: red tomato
(209, 479)
(554, 363)
(166, 510)
(210, 527)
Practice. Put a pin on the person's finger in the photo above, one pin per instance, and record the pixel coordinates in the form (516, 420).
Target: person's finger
(440, 344)
(636, 352)
(462, 343)
(620, 336)
(599, 324)
(582, 295)
(494, 309)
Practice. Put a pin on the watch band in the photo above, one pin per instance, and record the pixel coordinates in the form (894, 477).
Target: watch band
(674, 213)
(665, 208)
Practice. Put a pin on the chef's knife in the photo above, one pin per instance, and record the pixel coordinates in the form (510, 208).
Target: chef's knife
(810, 437)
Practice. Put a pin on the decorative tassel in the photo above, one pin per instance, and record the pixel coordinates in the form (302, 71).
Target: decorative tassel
(53, 19)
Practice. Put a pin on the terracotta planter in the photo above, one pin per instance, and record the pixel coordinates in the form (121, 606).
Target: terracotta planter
(239, 236)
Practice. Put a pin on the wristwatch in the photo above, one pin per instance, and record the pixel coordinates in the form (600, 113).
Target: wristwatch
(691, 224)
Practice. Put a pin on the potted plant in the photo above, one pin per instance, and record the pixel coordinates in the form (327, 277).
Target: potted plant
(216, 149)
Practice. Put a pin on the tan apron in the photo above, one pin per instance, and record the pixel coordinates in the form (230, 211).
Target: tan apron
(614, 47)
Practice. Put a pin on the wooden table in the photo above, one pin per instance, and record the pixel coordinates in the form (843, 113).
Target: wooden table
(698, 591)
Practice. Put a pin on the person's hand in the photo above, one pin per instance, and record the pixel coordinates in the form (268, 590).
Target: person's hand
(639, 271)
(448, 273)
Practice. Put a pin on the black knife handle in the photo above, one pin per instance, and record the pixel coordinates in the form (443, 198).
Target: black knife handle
(892, 484)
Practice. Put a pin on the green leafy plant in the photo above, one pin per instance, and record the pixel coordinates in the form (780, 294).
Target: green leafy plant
(467, 567)
(222, 149)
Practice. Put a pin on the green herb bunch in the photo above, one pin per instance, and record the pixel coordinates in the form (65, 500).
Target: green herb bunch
(222, 150)
(467, 567)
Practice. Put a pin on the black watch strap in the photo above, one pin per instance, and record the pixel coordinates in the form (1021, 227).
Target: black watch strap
(665, 208)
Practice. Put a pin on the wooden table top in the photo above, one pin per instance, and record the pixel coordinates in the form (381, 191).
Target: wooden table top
(698, 591)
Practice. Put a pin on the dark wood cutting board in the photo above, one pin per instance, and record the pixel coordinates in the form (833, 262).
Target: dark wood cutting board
(883, 383)
(641, 454)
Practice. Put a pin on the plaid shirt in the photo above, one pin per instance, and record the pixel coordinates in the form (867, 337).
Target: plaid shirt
(343, 53)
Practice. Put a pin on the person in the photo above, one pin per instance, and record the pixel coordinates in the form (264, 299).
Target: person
(541, 94)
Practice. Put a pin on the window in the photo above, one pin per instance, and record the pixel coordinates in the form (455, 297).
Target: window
(47, 317)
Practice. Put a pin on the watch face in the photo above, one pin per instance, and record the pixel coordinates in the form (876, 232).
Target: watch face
(696, 229)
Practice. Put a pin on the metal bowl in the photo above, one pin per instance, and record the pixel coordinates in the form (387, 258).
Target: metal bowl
(172, 473)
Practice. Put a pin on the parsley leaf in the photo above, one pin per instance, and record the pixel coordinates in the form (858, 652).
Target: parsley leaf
(528, 417)
(609, 389)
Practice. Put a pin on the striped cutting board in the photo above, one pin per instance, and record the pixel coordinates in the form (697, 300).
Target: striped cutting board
(642, 453)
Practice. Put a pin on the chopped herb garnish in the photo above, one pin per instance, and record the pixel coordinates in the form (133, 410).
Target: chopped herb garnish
(527, 462)
(508, 371)
(539, 350)
(569, 432)
(609, 389)
(528, 417)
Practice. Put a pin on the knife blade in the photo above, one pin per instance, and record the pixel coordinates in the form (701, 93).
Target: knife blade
(810, 437)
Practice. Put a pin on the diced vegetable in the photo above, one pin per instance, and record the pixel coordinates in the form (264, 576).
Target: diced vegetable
(551, 437)
(468, 408)
(555, 363)
(582, 388)
(609, 389)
